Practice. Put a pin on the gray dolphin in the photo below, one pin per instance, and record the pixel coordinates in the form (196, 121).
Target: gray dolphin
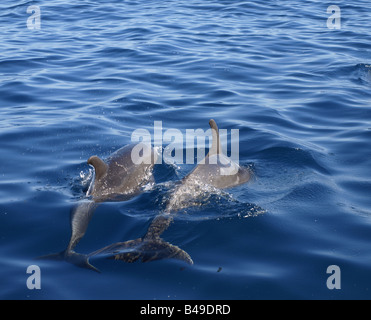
(120, 177)
(216, 171)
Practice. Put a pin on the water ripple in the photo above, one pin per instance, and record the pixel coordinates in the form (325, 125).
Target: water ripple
(298, 92)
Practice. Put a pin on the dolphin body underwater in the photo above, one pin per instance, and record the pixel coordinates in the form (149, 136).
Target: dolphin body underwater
(216, 171)
(117, 178)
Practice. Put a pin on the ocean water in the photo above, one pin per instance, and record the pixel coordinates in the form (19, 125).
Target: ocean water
(298, 91)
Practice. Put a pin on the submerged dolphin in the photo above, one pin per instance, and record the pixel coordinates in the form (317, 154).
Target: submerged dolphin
(118, 178)
(216, 171)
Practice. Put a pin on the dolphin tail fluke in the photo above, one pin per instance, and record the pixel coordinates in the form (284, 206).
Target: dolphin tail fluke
(77, 259)
(145, 250)
(80, 260)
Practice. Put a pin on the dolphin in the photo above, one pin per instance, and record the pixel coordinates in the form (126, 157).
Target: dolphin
(120, 177)
(216, 171)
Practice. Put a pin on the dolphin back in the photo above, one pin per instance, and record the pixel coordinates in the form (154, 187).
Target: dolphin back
(123, 173)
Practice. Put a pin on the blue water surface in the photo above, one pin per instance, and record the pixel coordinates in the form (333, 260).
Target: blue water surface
(95, 71)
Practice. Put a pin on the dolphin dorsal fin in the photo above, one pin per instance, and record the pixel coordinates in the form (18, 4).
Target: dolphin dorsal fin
(216, 146)
(99, 165)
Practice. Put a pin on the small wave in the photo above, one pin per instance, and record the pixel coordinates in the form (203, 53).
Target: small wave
(294, 157)
(361, 74)
(210, 203)
(358, 74)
